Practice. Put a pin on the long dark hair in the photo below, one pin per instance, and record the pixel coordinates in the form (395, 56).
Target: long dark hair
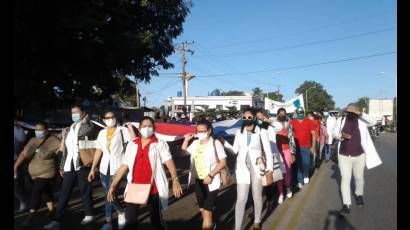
(252, 110)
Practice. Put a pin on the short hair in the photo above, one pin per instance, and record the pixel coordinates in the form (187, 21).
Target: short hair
(260, 110)
(108, 111)
(77, 106)
(281, 110)
(147, 118)
(207, 123)
(43, 123)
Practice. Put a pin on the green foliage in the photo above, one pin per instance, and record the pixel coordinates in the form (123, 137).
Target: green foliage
(275, 96)
(362, 103)
(70, 50)
(257, 91)
(318, 98)
(233, 93)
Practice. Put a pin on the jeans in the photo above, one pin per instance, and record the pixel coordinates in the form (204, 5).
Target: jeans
(65, 192)
(303, 164)
(106, 183)
(327, 151)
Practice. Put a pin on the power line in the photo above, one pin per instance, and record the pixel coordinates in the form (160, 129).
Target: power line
(304, 44)
(301, 66)
(344, 22)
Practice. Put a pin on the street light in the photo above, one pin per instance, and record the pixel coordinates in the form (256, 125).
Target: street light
(307, 104)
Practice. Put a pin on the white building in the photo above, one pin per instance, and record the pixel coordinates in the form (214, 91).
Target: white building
(174, 105)
(381, 107)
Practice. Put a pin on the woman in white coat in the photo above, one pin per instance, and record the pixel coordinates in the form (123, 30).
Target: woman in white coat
(143, 160)
(356, 150)
(207, 159)
(248, 144)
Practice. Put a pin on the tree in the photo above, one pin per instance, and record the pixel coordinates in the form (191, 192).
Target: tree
(318, 98)
(70, 50)
(276, 96)
(257, 92)
(233, 93)
(362, 103)
(233, 111)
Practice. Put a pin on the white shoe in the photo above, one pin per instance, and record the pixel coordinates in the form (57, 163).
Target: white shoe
(121, 220)
(306, 180)
(289, 195)
(87, 220)
(53, 225)
(300, 185)
(280, 200)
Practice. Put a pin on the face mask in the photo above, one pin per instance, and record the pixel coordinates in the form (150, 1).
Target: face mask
(259, 122)
(147, 132)
(76, 117)
(281, 118)
(202, 136)
(325, 114)
(40, 134)
(110, 122)
(294, 116)
(301, 116)
(351, 116)
(248, 122)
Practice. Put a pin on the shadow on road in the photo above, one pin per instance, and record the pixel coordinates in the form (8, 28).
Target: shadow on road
(336, 222)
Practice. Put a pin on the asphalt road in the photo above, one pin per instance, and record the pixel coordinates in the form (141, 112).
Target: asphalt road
(314, 207)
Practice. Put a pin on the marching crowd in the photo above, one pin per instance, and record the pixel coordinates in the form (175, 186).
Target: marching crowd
(267, 151)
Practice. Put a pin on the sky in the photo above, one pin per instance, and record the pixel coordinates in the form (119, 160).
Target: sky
(240, 45)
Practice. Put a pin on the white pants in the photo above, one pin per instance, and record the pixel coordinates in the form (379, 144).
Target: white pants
(242, 197)
(347, 165)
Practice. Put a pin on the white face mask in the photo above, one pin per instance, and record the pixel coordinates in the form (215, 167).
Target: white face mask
(147, 132)
(325, 113)
(110, 122)
(202, 136)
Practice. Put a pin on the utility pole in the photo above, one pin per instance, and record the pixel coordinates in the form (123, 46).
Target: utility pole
(137, 93)
(185, 77)
(145, 100)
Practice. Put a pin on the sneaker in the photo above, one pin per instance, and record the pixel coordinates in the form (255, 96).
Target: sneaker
(300, 185)
(121, 220)
(306, 180)
(280, 200)
(106, 227)
(53, 225)
(23, 208)
(344, 211)
(87, 220)
(289, 193)
(360, 202)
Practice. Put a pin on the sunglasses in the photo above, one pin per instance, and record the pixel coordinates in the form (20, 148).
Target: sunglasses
(247, 118)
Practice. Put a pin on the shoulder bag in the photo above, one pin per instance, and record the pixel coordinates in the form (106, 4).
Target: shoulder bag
(269, 178)
(224, 173)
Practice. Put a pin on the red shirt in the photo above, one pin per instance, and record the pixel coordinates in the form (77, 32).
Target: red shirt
(142, 171)
(316, 124)
(302, 132)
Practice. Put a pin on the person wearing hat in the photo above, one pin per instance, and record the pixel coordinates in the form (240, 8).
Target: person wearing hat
(305, 138)
(356, 150)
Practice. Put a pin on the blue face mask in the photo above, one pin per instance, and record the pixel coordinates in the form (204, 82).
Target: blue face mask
(76, 117)
(259, 122)
(40, 134)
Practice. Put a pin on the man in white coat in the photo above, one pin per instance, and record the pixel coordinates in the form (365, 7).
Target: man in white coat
(330, 125)
(356, 150)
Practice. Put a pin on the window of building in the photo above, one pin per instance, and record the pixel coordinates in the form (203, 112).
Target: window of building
(219, 106)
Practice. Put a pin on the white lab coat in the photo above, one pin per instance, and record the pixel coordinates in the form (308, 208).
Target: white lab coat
(158, 154)
(71, 143)
(330, 125)
(272, 131)
(114, 155)
(241, 148)
(210, 161)
(372, 157)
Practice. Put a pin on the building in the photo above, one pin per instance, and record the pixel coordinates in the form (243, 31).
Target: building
(174, 105)
(380, 108)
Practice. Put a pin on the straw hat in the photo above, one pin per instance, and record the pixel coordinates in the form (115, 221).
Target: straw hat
(353, 108)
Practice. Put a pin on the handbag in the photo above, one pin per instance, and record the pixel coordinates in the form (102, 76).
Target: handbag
(87, 149)
(269, 178)
(335, 146)
(224, 173)
(139, 193)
